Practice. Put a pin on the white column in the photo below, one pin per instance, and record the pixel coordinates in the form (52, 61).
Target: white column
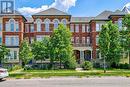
(81, 57)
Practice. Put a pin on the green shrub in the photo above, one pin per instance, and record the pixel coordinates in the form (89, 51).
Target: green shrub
(124, 66)
(87, 65)
(15, 67)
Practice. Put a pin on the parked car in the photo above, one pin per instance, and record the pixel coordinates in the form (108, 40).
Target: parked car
(3, 73)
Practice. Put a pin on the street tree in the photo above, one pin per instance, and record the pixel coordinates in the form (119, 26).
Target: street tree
(25, 53)
(104, 43)
(3, 52)
(61, 47)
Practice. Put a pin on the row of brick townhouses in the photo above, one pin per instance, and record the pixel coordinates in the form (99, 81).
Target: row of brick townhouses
(85, 30)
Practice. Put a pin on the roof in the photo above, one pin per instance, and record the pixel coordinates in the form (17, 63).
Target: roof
(15, 13)
(119, 12)
(51, 11)
(104, 15)
(30, 19)
(81, 19)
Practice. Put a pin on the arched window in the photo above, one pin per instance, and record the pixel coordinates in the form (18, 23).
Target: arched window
(120, 23)
(38, 22)
(47, 25)
(12, 24)
(64, 21)
(56, 23)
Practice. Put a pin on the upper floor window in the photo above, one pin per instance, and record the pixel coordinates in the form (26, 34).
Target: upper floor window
(83, 28)
(27, 28)
(47, 25)
(64, 21)
(83, 40)
(98, 26)
(17, 26)
(0, 26)
(88, 28)
(11, 40)
(97, 39)
(38, 22)
(56, 23)
(31, 28)
(88, 40)
(12, 24)
(72, 27)
(120, 23)
(77, 28)
(77, 39)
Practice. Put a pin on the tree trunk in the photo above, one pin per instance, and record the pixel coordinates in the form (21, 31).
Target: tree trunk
(104, 65)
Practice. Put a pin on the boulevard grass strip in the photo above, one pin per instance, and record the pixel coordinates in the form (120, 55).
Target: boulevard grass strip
(65, 73)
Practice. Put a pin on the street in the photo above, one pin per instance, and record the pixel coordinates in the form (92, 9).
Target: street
(68, 82)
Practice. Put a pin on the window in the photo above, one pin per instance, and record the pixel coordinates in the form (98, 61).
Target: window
(88, 28)
(97, 39)
(97, 54)
(77, 39)
(32, 39)
(15, 54)
(72, 39)
(31, 28)
(39, 37)
(98, 26)
(47, 25)
(83, 28)
(64, 21)
(38, 21)
(12, 24)
(12, 55)
(120, 23)
(7, 26)
(83, 40)
(56, 23)
(77, 28)
(0, 26)
(11, 40)
(17, 26)
(27, 28)
(72, 28)
(88, 40)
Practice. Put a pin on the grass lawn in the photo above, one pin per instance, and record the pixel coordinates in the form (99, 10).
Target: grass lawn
(53, 73)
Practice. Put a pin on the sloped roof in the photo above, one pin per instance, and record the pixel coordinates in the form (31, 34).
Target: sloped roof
(51, 11)
(119, 12)
(104, 15)
(81, 19)
(15, 13)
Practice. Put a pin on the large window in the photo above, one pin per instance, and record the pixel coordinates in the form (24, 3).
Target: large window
(83, 28)
(11, 40)
(12, 26)
(13, 54)
(77, 28)
(56, 23)
(47, 25)
(38, 22)
(27, 28)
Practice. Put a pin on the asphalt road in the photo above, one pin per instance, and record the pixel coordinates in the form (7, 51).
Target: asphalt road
(69, 82)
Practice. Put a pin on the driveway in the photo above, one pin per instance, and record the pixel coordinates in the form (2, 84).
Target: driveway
(69, 82)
